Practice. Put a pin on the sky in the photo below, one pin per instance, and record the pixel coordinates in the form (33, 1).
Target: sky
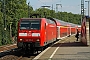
(73, 6)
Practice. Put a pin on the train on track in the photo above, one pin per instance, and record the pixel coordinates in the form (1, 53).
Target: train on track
(36, 33)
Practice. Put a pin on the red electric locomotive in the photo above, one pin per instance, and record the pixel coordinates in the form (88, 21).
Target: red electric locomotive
(35, 33)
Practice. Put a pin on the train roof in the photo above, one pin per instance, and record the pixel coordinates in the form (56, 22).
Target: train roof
(73, 25)
(66, 23)
(61, 22)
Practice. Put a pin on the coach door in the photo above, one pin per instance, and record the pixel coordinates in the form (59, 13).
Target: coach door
(58, 32)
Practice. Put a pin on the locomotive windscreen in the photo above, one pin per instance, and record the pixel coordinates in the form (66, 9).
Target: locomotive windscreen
(30, 24)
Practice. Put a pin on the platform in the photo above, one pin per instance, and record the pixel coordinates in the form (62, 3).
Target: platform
(66, 49)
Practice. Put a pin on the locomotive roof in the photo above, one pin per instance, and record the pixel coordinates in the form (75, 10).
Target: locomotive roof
(31, 18)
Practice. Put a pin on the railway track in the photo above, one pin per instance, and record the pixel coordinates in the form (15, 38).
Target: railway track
(11, 52)
(7, 47)
(16, 54)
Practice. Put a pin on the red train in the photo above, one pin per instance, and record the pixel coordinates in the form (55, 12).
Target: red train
(36, 33)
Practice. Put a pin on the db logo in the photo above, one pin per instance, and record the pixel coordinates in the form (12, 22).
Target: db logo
(29, 34)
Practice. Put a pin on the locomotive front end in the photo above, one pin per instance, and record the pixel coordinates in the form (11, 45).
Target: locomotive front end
(29, 33)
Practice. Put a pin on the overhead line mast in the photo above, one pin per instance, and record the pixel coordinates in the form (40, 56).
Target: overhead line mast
(82, 9)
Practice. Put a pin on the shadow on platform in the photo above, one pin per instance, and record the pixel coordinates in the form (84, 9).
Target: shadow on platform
(70, 44)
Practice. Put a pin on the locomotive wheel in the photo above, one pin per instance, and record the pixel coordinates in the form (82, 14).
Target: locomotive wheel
(42, 48)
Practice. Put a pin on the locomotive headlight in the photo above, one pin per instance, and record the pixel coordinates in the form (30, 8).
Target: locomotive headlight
(37, 40)
(21, 39)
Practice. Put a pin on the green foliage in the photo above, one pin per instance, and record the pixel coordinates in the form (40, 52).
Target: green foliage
(14, 10)
(68, 17)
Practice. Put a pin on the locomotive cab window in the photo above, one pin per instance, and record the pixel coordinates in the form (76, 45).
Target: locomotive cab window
(30, 24)
(24, 25)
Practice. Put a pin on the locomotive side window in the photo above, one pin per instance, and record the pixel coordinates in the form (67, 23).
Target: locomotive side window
(45, 25)
(30, 24)
(50, 21)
